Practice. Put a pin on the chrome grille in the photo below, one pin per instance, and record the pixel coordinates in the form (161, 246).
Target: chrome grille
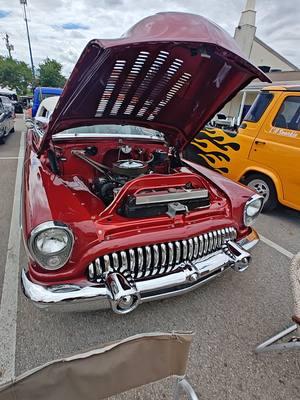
(159, 259)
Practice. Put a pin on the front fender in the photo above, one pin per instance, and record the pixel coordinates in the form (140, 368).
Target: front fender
(236, 193)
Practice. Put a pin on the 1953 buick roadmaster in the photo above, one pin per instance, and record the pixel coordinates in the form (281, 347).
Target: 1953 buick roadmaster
(113, 216)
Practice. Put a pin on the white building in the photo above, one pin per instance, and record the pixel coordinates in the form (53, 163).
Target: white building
(278, 68)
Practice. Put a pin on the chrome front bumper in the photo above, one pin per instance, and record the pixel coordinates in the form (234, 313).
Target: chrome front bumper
(124, 297)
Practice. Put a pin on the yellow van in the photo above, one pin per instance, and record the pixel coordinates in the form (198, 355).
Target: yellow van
(264, 153)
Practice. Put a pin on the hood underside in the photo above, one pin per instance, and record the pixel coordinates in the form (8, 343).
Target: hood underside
(171, 72)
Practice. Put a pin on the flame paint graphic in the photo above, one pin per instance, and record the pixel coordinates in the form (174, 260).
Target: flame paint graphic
(213, 139)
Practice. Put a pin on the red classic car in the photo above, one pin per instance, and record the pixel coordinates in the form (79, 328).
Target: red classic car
(113, 216)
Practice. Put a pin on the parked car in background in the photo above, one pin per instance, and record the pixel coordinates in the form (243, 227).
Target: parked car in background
(41, 93)
(265, 151)
(113, 215)
(7, 115)
(12, 95)
(26, 101)
(8, 105)
(45, 111)
(46, 108)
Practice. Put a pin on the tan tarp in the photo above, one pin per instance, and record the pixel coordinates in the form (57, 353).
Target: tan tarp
(100, 373)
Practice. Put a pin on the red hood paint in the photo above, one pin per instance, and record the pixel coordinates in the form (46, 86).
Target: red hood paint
(171, 72)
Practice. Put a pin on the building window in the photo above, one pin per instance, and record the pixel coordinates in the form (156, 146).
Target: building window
(288, 116)
(258, 107)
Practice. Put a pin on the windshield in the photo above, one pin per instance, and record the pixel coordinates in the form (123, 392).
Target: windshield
(258, 107)
(12, 97)
(123, 130)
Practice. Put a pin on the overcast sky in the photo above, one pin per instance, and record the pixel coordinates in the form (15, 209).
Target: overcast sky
(61, 28)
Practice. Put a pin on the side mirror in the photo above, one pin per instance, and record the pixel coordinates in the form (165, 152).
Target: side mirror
(243, 125)
(29, 123)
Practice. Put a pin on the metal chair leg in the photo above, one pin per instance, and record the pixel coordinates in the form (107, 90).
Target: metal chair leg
(183, 386)
(270, 345)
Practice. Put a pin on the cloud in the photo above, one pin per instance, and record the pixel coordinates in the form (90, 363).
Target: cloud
(57, 27)
(4, 13)
(74, 26)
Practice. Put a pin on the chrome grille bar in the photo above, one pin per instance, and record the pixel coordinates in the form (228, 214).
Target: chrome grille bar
(155, 259)
(196, 247)
(140, 258)
(185, 250)
(178, 252)
(171, 256)
(158, 259)
(191, 249)
(163, 254)
(131, 260)
(115, 260)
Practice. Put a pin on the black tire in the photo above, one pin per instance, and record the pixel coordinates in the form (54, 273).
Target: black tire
(259, 182)
(12, 130)
(3, 137)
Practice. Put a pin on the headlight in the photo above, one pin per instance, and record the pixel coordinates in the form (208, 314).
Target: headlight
(252, 209)
(50, 244)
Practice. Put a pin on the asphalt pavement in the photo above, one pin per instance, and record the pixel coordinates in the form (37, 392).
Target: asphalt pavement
(230, 316)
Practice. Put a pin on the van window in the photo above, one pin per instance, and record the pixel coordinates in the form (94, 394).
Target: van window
(289, 114)
(258, 107)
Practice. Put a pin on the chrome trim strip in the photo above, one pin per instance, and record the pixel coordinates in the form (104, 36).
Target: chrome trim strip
(68, 136)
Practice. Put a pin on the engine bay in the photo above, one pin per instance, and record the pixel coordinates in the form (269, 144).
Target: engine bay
(106, 166)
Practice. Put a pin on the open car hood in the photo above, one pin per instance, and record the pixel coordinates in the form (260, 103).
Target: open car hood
(171, 72)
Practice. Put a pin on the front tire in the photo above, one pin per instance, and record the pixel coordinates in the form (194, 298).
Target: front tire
(2, 137)
(264, 186)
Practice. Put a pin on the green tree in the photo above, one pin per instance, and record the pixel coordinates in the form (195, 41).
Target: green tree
(15, 74)
(49, 73)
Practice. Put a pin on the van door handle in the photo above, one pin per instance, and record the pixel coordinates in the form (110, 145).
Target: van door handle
(259, 142)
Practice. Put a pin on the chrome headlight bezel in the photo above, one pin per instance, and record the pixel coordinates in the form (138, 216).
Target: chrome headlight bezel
(249, 219)
(55, 260)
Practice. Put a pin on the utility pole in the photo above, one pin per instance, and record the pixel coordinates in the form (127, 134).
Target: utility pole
(9, 46)
(24, 3)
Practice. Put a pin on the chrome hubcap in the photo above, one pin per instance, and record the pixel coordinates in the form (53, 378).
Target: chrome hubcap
(261, 188)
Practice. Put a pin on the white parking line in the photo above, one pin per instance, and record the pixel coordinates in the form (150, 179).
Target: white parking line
(9, 299)
(276, 247)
